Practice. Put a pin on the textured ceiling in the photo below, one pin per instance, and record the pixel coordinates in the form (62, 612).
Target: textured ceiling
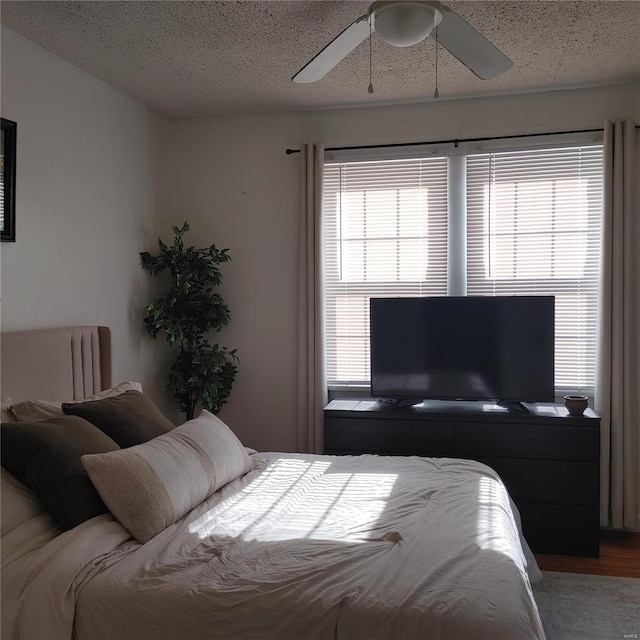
(198, 59)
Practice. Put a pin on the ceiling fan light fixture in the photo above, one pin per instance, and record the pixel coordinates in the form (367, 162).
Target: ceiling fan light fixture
(403, 24)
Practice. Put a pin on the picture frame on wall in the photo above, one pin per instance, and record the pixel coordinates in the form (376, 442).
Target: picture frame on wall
(8, 181)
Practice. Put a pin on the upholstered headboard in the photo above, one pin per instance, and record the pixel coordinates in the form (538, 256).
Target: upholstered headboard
(69, 363)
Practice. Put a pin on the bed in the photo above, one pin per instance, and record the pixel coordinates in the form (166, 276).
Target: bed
(293, 546)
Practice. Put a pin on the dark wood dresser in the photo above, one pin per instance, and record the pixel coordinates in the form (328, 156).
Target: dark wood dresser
(549, 461)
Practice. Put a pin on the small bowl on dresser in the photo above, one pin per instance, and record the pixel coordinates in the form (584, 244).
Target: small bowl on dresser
(576, 404)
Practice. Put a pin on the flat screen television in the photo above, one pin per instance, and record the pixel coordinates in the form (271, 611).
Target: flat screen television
(463, 348)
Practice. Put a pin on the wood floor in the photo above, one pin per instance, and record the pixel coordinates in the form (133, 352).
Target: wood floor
(619, 556)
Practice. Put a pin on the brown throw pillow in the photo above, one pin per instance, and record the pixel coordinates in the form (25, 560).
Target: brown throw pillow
(129, 419)
(32, 410)
(45, 456)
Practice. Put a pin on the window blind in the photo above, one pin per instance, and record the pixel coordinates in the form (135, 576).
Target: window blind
(385, 235)
(533, 228)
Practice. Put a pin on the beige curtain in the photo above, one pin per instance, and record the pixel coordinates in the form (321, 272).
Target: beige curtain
(311, 380)
(617, 384)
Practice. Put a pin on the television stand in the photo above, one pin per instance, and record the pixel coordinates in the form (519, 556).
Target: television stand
(399, 403)
(516, 407)
(549, 460)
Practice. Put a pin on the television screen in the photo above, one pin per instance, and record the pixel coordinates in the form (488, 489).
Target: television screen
(463, 348)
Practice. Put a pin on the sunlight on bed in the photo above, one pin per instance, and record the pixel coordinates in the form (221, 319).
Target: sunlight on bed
(300, 499)
(494, 522)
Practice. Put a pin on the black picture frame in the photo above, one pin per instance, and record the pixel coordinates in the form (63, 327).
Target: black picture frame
(8, 181)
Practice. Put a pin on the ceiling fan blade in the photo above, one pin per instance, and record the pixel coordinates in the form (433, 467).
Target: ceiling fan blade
(334, 52)
(471, 47)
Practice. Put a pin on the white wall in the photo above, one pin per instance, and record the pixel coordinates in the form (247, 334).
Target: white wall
(232, 180)
(100, 177)
(87, 202)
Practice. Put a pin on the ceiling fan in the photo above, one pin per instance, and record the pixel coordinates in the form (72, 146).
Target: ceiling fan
(403, 23)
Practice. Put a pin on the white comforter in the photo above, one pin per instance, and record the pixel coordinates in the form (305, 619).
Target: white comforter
(308, 547)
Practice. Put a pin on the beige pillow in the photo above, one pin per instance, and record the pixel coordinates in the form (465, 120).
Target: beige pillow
(36, 410)
(7, 414)
(149, 486)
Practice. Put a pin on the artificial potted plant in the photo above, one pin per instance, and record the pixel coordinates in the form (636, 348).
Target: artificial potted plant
(202, 373)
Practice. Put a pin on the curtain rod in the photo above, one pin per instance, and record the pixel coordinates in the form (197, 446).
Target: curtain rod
(454, 141)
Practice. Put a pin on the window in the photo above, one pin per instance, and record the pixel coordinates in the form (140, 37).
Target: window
(385, 235)
(532, 227)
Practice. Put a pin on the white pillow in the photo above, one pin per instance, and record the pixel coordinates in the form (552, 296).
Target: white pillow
(149, 486)
(6, 414)
(36, 410)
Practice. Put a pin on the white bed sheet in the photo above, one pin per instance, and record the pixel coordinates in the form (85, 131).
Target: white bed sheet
(308, 547)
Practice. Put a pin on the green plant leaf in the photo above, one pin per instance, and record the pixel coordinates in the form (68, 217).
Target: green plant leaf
(191, 308)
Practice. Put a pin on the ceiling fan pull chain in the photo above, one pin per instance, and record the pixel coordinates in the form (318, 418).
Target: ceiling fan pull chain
(370, 89)
(435, 93)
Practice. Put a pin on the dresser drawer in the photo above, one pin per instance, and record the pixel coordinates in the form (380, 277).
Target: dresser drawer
(549, 481)
(561, 529)
(390, 437)
(527, 441)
